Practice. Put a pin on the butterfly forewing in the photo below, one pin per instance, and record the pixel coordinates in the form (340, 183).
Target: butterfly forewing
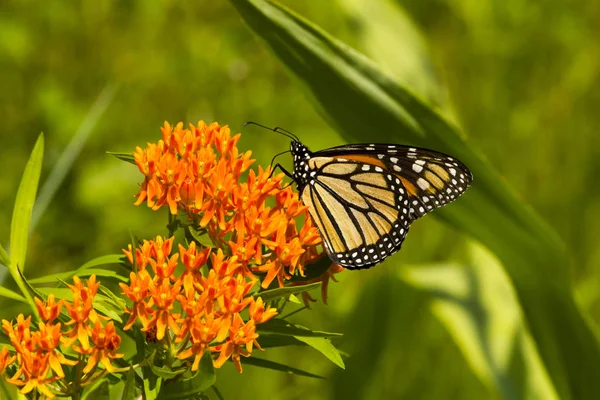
(431, 179)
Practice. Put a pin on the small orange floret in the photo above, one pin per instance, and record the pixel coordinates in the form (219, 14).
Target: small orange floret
(33, 369)
(49, 310)
(106, 343)
(5, 359)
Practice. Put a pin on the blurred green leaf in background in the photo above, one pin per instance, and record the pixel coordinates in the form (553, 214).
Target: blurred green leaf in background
(489, 314)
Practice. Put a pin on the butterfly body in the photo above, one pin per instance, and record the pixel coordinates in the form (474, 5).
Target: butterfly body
(363, 197)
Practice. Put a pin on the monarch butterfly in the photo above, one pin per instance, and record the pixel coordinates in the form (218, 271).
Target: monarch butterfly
(363, 197)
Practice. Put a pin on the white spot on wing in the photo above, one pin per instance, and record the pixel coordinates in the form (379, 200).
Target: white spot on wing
(423, 184)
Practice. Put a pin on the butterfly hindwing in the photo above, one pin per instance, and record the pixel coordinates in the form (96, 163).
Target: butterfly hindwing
(358, 210)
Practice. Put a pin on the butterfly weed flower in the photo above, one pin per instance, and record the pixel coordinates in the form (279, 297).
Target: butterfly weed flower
(106, 343)
(209, 297)
(195, 311)
(200, 173)
(40, 351)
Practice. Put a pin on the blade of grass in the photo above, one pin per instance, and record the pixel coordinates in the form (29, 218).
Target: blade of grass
(21, 219)
(71, 152)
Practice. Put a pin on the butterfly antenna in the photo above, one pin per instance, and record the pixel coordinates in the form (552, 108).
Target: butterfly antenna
(279, 129)
(283, 132)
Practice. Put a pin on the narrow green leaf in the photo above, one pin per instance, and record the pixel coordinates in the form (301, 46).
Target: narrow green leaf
(262, 363)
(127, 157)
(116, 273)
(51, 278)
(165, 372)
(203, 379)
(267, 341)
(129, 390)
(272, 294)
(140, 345)
(29, 289)
(88, 269)
(109, 304)
(282, 327)
(9, 391)
(4, 258)
(325, 347)
(103, 260)
(292, 298)
(65, 162)
(9, 294)
(21, 220)
(481, 312)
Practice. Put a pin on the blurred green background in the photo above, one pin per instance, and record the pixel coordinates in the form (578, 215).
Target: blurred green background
(521, 79)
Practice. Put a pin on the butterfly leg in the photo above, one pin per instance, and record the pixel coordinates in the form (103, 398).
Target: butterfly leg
(285, 171)
(277, 155)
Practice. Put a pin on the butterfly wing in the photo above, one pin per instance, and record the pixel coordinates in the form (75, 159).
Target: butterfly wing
(357, 210)
(364, 197)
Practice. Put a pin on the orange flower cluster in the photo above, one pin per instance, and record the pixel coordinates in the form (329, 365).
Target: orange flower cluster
(198, 170)
(199, 312)
(38, 361)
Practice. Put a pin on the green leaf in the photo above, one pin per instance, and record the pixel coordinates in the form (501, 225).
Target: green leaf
(129, 390)
(294, 299)
(203, 379)
(357, 98)
(325, 347)
(116, 273)
(109, 304)
(262, 363)
(283, 327)
(103, 260)
(29, 289)
(140, 345)
(21, 219)
(481, 312)
(9, 294)
(9, 391)
(201, 236)
(98, 390)
(128, 157)
(4, 258)
(114, 260)
(64, 164)
(152, 384)
(267, 341)
(165, 372)
(162, 370)
(272, 294)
